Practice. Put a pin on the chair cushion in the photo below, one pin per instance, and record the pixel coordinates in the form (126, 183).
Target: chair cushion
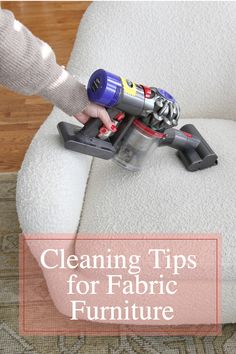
(51, 182)
(184, 47)
(167, 198)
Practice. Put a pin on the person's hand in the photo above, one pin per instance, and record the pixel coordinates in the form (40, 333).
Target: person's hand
(96, 111)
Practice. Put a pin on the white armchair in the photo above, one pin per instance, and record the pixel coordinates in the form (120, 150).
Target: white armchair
(189, 49)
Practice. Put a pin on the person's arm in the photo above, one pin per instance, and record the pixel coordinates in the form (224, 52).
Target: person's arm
(28, 66)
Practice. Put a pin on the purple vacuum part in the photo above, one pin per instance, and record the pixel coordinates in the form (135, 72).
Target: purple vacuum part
(104, 88)
(166, 95)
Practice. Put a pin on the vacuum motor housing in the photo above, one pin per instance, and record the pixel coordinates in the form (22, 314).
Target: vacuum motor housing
(109, 90)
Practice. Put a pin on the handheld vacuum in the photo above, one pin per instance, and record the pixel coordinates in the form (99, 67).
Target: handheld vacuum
(144, 117)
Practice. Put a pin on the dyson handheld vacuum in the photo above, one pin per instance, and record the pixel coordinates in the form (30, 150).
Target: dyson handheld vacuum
(144, 117)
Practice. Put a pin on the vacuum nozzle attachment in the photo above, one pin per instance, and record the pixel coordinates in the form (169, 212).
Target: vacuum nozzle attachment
(84, 140)
(200, 157)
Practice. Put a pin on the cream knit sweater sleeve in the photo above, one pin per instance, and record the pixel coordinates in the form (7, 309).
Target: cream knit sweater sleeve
(28, 66)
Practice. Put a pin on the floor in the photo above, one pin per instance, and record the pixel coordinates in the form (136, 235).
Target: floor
(20, 116)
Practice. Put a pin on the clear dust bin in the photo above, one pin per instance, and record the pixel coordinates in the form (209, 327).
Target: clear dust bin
(135, 147)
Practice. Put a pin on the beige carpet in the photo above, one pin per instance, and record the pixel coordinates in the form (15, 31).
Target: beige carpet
(11, 342)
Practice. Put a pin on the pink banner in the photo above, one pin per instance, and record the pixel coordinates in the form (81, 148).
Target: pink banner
(120, 284)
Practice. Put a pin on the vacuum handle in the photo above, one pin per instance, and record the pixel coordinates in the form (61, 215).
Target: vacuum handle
(91, 128)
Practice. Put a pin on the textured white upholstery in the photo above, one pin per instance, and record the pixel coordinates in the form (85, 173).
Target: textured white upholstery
(188, 48)
(166, 198)
(51, 182)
